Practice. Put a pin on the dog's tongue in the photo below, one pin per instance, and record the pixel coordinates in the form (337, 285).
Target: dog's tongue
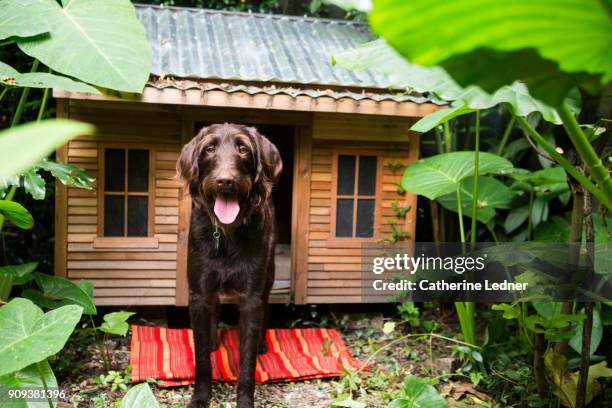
(226, 209)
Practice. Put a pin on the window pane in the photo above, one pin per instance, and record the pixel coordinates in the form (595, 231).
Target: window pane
(344, 218)
(114, 170)
(346, 175)
(367, 175)
(138, 170)
(365, 218)
(113, 215)
(138, 216)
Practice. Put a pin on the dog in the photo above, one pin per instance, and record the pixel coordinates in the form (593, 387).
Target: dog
(229, 171)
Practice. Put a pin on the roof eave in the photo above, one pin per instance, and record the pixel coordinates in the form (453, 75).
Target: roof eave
(245, 100)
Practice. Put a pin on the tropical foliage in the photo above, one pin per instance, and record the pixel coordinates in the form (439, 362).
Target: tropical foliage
(483, 62)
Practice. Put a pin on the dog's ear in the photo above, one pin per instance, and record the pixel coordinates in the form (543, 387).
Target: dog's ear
(187, 166)
(269, 162)
(268, 166)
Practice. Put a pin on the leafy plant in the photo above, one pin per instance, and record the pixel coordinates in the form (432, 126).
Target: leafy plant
(417, 393)
(29, 338)
(476, 47)
(139, 396)
(22, 146)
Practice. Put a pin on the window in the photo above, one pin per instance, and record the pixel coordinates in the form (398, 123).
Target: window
(355, 196)
(126, 197)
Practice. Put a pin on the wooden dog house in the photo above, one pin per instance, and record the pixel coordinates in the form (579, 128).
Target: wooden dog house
(344, 138)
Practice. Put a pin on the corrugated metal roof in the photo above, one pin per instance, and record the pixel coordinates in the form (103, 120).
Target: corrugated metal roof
(210, 44)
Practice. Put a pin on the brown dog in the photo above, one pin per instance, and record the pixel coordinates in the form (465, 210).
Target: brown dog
(229, 171)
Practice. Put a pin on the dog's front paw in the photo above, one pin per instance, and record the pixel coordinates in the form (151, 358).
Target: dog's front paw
(198, 402)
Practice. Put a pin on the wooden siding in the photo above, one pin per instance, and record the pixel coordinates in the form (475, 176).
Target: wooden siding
(125, 275)
(334, 264)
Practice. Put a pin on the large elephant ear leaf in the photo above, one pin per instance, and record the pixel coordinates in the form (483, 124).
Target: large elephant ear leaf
(11, 77)
(492, 43)
(30, 336)
(35, 376)
(22, 146)
(378, 56)
(18, 19)
(54, 287)
(81, 43)
(441, 174)
(492, 194)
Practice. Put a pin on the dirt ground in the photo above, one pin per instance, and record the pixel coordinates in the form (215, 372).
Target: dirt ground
(390, 360)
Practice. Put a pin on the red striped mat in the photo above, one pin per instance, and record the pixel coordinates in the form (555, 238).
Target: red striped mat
(293, 354)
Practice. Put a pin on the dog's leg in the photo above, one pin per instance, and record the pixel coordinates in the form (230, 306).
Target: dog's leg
(263, 345)
(214, 319)
(250, 331)
(200, 308)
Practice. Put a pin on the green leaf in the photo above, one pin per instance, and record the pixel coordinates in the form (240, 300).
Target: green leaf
(17, 214)
(493, 43)
(6, 182)
(30, 336)
(516, 217)
(492, 194)
(66, 291)
(596, 335)
(68, 174)
(549, 310)
(40, 300)
(34, 184)
(10, 76)
(27, 379)
(139, 396)
(441, 174)
(380, 57)
(24, 145)
(116, 323)
(17, 19)
(101, 43)
(419, 394)
(540, 210)
(20, 273)
(439, 117)
(87, 287)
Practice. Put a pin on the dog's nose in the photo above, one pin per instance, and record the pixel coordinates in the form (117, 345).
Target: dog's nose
(225, 182)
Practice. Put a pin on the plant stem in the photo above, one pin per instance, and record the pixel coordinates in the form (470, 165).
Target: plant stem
(529, 220)
(583, 147)
(563, 162)
(44, 383)
(448, 138)
(538, 365)
(4, 91)
(587, 328)
(43, 105)
(23, 98)
(506, 136)
(7, 42)
(460, 212)
(475, 184)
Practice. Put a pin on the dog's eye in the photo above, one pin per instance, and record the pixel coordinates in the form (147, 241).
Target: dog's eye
(210, 149)
(243, 149)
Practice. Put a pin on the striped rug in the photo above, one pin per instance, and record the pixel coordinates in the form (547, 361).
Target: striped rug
(293, 354)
